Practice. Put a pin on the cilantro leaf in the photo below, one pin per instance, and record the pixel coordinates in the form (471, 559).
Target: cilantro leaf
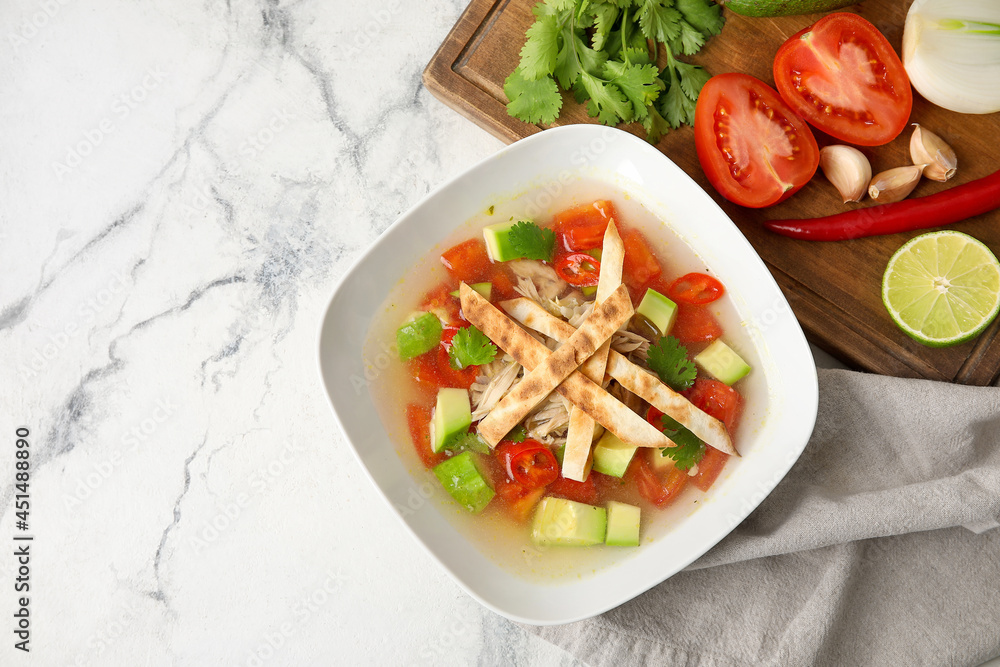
(689, 40)
(704, 16)
(532, 101)
(659, 21)
(654, 124)
(518, 434)
(538, 55)
(690, 448)
(604, 15)
(470, 347)
(668, 359)
(531, 241)
(692, 79)
(639, 83)
(607, 102)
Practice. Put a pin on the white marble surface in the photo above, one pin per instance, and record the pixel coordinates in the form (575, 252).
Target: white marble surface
(182, 185)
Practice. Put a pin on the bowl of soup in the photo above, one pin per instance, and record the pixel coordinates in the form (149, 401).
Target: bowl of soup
(568, 373)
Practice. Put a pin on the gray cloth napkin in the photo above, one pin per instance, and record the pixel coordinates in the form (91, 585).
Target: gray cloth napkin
(876, 549)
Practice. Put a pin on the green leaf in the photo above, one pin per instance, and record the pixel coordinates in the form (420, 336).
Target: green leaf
(605, 15)
(689, 448)
(639, 83)
(561, 5)
(692, 78)
(659, 21)
(689, 41)
(703, 15)
(470, 347)
(517, 434)
(655, 124)
(607, 102)
(531, 241)
(538, 55)
(532, 101)
(675, 106)
(668, 359)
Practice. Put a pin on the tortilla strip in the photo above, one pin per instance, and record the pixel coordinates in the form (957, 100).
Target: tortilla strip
(599, 404)
(636, 379)
(597, 329)
(580, 435)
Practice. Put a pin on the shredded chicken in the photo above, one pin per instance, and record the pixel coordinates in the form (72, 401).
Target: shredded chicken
(630, 343)
(548, 423)
(496, 380)
(547, 284)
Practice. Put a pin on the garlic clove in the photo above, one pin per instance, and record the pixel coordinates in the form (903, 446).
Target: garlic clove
(930, 149)
(848, 169)
(894, 185)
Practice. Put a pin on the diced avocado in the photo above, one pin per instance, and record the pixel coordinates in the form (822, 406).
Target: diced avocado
(485, 289)
(659, 310)
(461, 478)
(560, 453)
(660, 461)
(498, 242)
(560, 522)
(612, 456)
(623, 525)
(589, 291)
(419, 334)
(472, 442)
(719, 361)
(596, 253)
(452, 418)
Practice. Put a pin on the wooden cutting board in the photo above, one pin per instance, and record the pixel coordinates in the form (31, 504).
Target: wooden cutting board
(834, 288)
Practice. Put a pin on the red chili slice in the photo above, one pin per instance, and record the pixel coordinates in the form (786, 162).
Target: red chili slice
(530, 463)
(696, 289)
(578, 268)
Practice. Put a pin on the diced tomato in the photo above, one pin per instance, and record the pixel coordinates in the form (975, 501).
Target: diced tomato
(709, 467)
(453, 377)
(424, 371)
(530, 463)
(657, 489)
(582, 227)
(418, 419)
(440, 301)
(695, 324)
(468, 261)
(718, 400)
(503, 286)
(581, 492)
(641, 266)
(696, 289)
(520, 501)
(579, 269)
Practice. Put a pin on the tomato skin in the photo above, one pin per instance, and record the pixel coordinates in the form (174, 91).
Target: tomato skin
(582, 227)
(581, 492)
(578, 269)
(695, 324)
(530, 463)
(736, 106)
(717, 399)
(709, 467)
(640, 265)
(696, 289)
(868, 73)
(657, 489)
(418, 419)
(439, 299)
(519, 500)
(468, 261)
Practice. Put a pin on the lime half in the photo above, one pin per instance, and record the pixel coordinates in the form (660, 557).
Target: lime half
(942, 288)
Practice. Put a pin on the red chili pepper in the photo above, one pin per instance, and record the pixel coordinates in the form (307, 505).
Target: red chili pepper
(530, 463)
(936, 210)
(579, 269)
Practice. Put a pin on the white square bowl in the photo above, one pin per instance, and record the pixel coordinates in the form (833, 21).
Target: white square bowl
(547, 158)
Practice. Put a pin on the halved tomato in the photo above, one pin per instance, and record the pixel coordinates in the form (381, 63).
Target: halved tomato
(754, 149)
(842, 75)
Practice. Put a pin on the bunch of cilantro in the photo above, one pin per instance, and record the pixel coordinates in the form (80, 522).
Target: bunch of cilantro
(599, 50)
